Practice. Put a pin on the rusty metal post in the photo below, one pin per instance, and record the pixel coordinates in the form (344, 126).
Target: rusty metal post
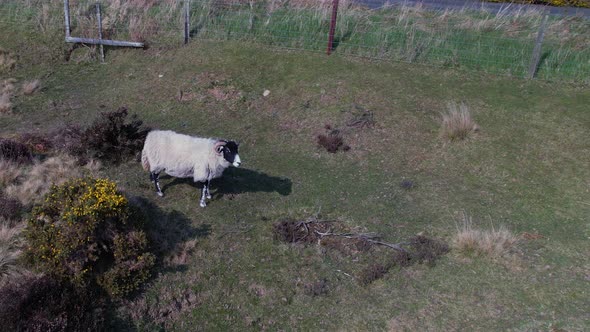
(187, 31)
(99, 20)
(332, 27)
(534, 66)
(67, 17)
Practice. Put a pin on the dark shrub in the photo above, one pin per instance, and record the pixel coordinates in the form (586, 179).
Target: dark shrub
(293, 231)
(110, 138)
(45, 304)
(427, 250)
(372, 273)
(407, 184)
(10, 208)
(14, 151)
(86, 233)
(332, 141)
(68, 139)
(36, 142)
(317, 288)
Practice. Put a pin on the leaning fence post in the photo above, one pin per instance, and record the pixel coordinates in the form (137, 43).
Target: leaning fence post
(67, 17)
(98, 18)
(187, 6)
(332, 27)
(537, 51)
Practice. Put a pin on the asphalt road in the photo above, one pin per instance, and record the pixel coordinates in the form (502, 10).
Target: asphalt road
(479, 5)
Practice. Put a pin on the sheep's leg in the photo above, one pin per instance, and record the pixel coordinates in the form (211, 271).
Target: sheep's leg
(207, 185)
(203, 201)
(156, 178)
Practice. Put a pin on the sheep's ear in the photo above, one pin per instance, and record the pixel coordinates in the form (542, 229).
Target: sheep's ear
(219, 149)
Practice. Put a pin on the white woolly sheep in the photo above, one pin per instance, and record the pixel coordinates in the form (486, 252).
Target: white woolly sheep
(184, 156)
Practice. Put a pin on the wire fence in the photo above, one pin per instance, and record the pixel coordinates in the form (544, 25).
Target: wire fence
(500, 43)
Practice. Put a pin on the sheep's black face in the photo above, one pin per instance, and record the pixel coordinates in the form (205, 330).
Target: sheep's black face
(230, 153)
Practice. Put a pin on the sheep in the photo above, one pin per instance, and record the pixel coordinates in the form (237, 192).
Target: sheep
(185, 156)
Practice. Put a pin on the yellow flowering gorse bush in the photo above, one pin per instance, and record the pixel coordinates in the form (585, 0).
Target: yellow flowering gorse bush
(80, 231)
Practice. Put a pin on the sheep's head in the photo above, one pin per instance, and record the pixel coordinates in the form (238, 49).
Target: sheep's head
(229, 151)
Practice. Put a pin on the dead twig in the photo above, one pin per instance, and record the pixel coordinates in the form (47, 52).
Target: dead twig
(362, 118)
(369, 237)
(346, 274)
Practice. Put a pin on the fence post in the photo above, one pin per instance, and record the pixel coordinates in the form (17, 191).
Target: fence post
(187, 6)
(332, 27)
(99, 19)
(67, 17)
(537, 51)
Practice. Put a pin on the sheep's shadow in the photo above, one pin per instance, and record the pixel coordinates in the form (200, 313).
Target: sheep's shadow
(166, 230)
(241, 180)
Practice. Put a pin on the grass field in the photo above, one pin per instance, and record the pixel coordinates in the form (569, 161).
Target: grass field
(525, 169)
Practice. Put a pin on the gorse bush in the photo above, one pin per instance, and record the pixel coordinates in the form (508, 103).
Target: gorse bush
(86, 233)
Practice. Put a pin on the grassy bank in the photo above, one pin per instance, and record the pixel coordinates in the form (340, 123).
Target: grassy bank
(499, 43)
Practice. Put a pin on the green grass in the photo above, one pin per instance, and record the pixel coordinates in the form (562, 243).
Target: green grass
(527, 169)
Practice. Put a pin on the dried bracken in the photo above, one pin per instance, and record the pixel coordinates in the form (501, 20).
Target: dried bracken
(34, 182)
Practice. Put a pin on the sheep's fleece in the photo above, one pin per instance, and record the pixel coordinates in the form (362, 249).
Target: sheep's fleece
(183, 156)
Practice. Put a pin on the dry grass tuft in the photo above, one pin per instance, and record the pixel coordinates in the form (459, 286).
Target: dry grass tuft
(9, 251)
(10, 209)
(31, 87)
(457, 123)
(36, 181)
(7, 62)
(10, 172)
(492, 243)
(6, 94)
